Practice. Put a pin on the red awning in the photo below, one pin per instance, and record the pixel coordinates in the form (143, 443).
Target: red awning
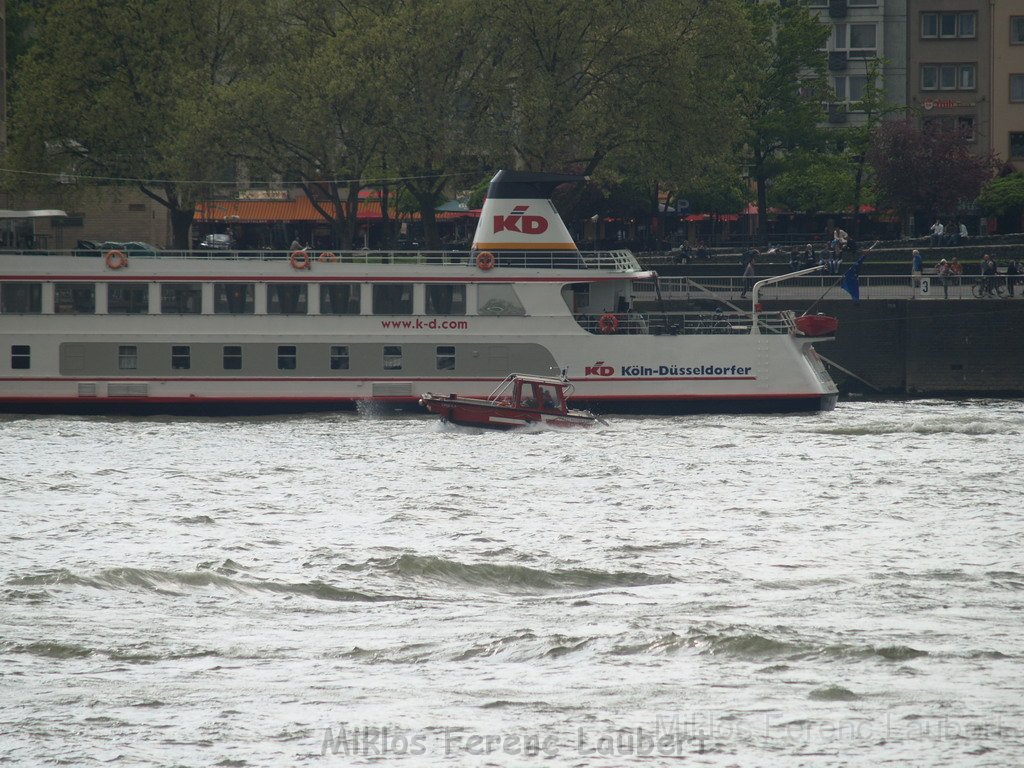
(300, 209)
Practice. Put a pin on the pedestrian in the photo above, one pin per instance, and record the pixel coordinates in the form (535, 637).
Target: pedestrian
(942, 270)
(1012, 270)
(916, 266)
(748, 273)
(989, 270)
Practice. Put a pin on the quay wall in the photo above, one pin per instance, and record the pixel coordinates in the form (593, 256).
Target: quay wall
(941, 348)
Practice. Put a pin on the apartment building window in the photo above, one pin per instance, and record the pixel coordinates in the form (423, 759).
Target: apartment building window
(948, 25)
(339, 358)
(127, 357)
(181, 357)
(858, 40)
(963, 124)
(861, 2)
(74, 298)
(948, 77)
(1017, 145)
(1016, 87)
(287, 358)
(232, 358)
(850, 89)
(1017, 30)
(21, 357)
(21, 298)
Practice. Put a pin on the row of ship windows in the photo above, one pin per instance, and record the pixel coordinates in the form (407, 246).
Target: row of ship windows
(240, 298)
(287, 357)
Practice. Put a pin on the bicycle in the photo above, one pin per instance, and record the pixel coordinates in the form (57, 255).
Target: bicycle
(989, 286)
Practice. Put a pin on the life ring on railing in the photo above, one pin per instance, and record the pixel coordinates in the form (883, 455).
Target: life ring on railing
(116, 259)
(300, 259)
(608, 323)
(327, 257)
(485, 260)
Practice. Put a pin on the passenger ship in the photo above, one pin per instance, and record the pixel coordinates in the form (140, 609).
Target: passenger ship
(252, 332)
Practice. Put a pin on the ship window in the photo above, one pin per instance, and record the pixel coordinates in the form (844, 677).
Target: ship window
(234, 298)
(392, 299)
(181, 298)
(548, 396)
(181, 357)
(21, 357)
(287, 358)
(127, 298)
(339, 358)
(232, 358)
(21, 298)
(286, 299)
(446, 299)
(446, 358)
(127, 357)
(74, 298)
(392, 358)
(500, 299)
(339, 298)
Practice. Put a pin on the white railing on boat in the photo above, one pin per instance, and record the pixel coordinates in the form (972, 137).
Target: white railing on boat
(686, 323)
(613, 261)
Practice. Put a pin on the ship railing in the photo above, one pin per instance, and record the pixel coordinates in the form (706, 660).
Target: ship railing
(685, 323)
(614, 261)
(730, 289)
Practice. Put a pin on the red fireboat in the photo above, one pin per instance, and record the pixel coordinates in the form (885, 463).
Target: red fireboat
(519, 401)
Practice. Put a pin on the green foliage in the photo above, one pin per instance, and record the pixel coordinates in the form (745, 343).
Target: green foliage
(786, 67)
(815, 183)
(1003, 196)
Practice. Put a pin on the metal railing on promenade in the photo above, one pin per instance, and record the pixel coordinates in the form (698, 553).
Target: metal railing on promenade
(828, 286)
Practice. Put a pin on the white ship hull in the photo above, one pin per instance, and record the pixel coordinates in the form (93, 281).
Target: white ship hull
(276, 333)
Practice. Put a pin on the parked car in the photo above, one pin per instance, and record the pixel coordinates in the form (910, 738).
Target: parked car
(217, 242)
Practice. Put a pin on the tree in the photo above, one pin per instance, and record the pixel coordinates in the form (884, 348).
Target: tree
(787, 71)
(116, 90)
(814, 182)
(930, 171)
(1004, 196)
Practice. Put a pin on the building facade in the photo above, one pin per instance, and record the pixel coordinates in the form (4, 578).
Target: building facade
(865, 34)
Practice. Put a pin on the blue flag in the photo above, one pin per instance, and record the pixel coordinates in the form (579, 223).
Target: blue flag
(851, 279)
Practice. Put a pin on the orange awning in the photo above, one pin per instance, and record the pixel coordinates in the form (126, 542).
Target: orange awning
(301, 209)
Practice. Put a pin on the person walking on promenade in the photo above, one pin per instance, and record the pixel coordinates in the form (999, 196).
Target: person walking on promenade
(988, 275)
(916, 266)
(748, 273)
(1012, 270)
(942, 270)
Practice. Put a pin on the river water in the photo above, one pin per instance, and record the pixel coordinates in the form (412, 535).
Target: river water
(836, 589)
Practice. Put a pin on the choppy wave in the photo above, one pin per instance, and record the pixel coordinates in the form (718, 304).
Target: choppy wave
(178, 582)
(513, 578)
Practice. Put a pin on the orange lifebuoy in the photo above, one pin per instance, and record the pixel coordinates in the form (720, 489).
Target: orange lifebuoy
(327, 257)
(608, 323)
(485, 260)
(300, 259)
(116, 259)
